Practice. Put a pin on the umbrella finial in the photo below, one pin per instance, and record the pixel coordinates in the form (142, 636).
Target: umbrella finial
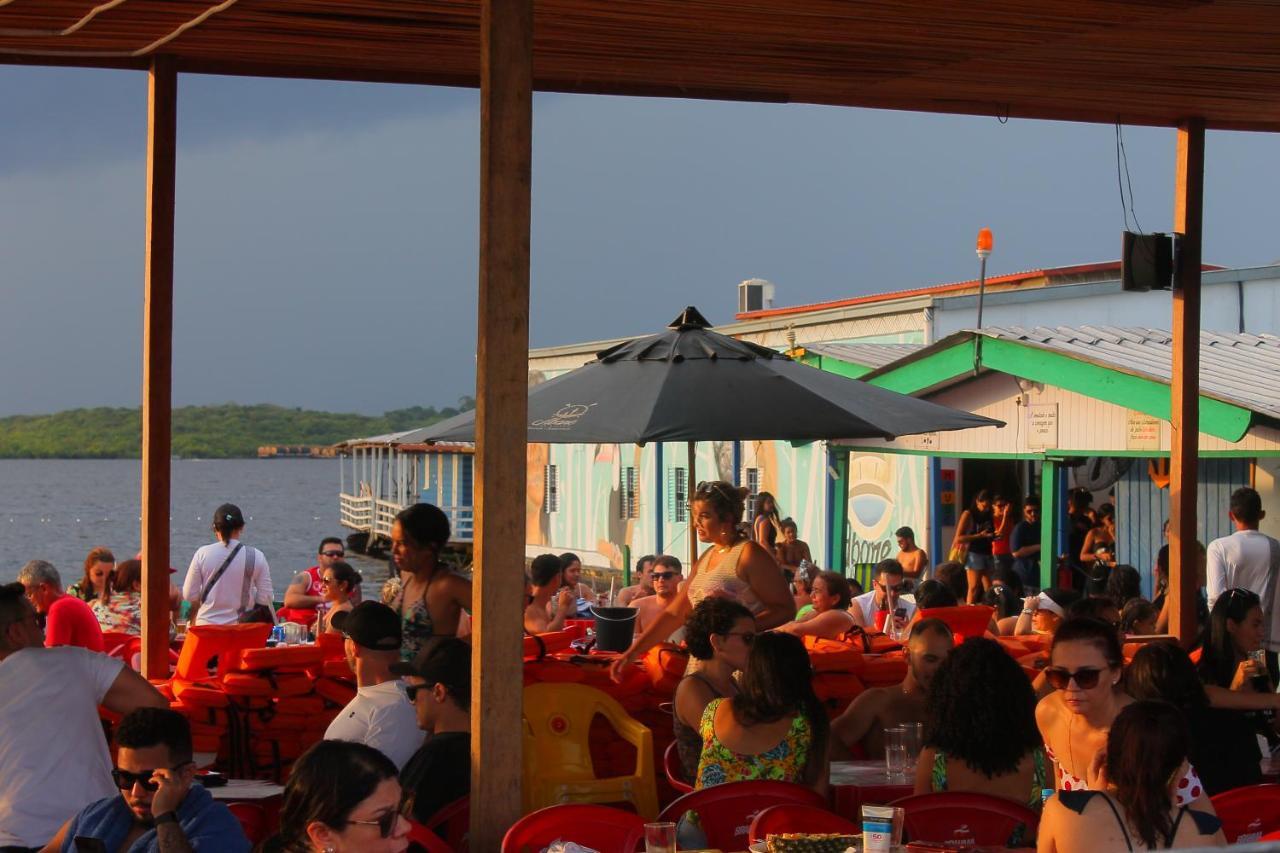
(690, 318)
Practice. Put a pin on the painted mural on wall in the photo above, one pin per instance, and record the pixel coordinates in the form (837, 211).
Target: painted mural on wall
(886, 491)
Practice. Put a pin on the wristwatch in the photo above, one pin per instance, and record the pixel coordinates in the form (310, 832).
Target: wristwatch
(167, 817)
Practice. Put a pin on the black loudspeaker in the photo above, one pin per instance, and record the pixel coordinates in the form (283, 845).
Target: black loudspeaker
(1146, 262)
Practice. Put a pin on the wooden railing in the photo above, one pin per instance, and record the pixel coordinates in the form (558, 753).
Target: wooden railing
(356, 512)
(375, 516)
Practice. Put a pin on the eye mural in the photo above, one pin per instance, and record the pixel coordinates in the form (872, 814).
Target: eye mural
(880, 486)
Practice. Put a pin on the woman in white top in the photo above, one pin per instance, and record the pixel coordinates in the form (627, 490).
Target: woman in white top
(734, 567)
(226, 600)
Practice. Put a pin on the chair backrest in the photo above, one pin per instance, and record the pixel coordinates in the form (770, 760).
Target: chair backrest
(674, 769)
(964, 819)
(964, 621)
(226, 642)
(1248, 813)
(558, 724)
(453, 823)
(798, 817)
(599, 827)
(725, 811)
(428, 840)
(253, 820)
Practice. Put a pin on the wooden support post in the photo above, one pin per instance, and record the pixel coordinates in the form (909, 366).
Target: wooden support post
(1049, 511)
(502, 402)
(157, 364)
(1188, 198)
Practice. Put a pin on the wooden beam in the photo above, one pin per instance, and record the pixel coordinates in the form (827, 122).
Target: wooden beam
(157, 364)
(502, 379)
(1188, 198)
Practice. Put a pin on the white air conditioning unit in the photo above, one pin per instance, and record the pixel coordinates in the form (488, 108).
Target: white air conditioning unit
(755, 294)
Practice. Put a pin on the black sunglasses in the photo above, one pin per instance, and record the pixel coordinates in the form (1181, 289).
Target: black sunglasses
(665, 576)
(332, 553)
(386, 822)
(1085, 678)
(126, 779)
(411, 690)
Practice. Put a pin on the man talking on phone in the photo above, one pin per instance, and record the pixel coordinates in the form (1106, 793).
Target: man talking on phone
(160, 808)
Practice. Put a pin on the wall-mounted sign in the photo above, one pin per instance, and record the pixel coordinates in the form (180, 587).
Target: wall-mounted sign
(1142, 432)
(927, 441)
(1042, 426)
(947, 496)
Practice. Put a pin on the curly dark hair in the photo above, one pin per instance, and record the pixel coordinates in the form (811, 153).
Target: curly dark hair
(982, 709)
(713, 615)
(1124, 584)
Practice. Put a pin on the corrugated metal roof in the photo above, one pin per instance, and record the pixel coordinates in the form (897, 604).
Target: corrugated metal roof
(868, 355)
(1241, 369)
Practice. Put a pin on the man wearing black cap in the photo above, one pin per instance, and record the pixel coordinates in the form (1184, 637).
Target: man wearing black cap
(380, 715)
(227, 578)
(440, 688)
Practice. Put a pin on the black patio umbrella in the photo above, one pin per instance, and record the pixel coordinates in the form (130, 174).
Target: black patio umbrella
(692, 384)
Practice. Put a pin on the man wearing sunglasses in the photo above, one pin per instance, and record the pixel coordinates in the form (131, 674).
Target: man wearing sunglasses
(159, 808)
(667, 575)
(439, 686)
(304, 595)
(888, 600)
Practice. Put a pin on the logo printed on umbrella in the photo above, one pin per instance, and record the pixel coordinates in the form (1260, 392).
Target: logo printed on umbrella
(566, 417)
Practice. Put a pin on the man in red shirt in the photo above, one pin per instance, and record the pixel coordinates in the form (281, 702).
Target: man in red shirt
(68, 621)
(305, 595)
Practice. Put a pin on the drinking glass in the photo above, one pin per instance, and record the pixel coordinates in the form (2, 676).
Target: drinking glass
(659, 838)
(913, 740)
(895, 753)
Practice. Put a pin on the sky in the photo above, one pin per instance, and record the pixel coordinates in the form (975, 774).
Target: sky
(326, 235)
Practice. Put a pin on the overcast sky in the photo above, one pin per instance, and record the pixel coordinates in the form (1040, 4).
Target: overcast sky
(326, 232)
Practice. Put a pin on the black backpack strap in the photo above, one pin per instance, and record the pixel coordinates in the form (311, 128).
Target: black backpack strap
(208, 588)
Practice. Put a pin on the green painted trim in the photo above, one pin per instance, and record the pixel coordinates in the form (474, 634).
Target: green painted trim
(1058, 453)
(837, 531)
(1048, 521)
(1219, 419)
(918, 374)
(835, 365)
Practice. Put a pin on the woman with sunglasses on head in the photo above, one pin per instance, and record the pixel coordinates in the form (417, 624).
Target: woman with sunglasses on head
(1143, 762)
(719, 634)
(342, 797)
(830, 618)
(338, 584)
(1085, 666)
(1234, 675)
(733, 567)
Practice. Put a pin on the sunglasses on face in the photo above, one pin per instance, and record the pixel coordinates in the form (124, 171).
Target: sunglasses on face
(332, 554)
(126, 779)
(897, 587)
(665, 576)
(1085, 678)
(411, 690)
(386, 822)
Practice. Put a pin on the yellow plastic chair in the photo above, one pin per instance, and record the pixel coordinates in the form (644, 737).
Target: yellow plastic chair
(557, 752)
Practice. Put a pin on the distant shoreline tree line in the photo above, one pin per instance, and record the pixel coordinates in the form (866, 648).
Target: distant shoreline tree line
(225, 431)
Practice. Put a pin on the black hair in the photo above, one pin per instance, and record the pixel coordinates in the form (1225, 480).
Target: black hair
(1124, 584)
(1091, 608)
(1004, 599)
(1011, 579)
(1164, 671)
(345, 574)
(789, 522)
(147, 727)
(1095, 584)
(668, 561)
(1136, 610)
(951, 575)
(982, 709)
(1105, 510)
(1219, 659)
(779, 682)
(1031, 500)
(983, 495)
(14, 607)
(568, 558)
(1147, 744)
(544, 569)
(1246, 505)
(726, 500)
(448, 662)
(931, 594)
(647, 558)
(330, 540)
(1085, 629)
(888, 567)
(713, 615)
(905, 533)
(425, 524)
(328, 782)
(837, 586)
(761, 497)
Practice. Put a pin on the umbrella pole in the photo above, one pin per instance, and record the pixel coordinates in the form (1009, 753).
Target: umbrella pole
(693, 530)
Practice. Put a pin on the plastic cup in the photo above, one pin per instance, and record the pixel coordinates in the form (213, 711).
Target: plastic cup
(659, 838)
(895, 753)
(913, 740)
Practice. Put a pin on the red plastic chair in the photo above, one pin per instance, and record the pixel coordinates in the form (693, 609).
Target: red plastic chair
(794, 817)
(726, 811)
(971, 620)
(965, 819)
(674, 770)
(1271, 836)
(427, 840)
(453, 823)
(601, 827)
(253, 820)
(1248, 813)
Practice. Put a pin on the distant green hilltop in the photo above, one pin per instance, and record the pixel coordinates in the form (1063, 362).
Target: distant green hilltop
(204, 432)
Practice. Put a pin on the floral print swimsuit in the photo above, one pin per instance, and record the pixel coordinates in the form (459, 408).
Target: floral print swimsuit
(784, 762)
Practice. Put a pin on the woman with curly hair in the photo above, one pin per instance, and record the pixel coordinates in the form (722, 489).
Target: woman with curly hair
(981, 728)
(719, 633)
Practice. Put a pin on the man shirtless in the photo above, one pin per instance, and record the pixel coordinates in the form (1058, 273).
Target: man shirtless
(914, 561)
(547, 576)
(666, 586)
(863, 722)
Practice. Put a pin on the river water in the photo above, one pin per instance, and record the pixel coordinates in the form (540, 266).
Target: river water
(57, 509)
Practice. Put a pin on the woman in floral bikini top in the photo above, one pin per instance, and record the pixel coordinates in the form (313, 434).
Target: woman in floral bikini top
(431, 599)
